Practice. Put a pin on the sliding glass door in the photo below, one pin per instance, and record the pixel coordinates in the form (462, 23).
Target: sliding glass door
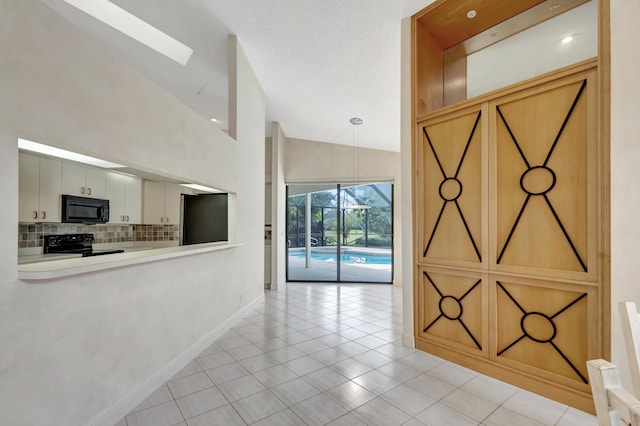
(340, 233)
(312, 233)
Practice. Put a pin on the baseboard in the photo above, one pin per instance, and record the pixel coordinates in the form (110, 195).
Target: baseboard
(129, 402)
(408, 340)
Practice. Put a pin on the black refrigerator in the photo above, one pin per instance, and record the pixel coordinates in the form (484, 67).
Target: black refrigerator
(204, 218)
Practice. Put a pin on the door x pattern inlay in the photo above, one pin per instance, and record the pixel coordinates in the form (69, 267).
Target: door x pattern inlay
(450, 189)
(551, 177)
(451, 308)
(545, 334)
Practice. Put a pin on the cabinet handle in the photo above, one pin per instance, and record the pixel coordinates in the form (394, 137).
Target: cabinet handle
(127, 218)
(82, 190)
(35, 214)
(162, 220)
(44, 215)
(121, 218)
(88, 191)
(167, 219)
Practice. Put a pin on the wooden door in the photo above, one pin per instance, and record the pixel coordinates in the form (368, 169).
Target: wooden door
(453, 182)
(507, 279)
(544, 180)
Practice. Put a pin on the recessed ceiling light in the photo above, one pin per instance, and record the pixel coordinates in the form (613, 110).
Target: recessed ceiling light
(471, 14)
(213, 119)
(555, 6)
(135, 28)
(567, 39)
(67, 155)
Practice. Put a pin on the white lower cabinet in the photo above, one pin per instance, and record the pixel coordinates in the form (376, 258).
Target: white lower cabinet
(125, 198)
(40, 186)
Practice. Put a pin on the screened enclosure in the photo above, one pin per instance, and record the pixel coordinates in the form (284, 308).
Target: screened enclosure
(340, 232)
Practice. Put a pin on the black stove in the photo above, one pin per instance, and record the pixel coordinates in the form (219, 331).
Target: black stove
(73, 244)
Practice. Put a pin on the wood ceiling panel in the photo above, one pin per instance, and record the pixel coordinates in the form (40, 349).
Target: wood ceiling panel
(533, 16)
(449, 25)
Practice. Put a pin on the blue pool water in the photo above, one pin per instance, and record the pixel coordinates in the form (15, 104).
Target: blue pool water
(354, 258)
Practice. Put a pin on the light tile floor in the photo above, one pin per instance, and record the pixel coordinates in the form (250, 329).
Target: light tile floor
(317, 354)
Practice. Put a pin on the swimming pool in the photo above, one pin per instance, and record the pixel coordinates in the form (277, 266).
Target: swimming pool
(353, 258)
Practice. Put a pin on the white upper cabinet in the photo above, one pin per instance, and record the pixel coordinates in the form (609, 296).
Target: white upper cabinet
(172, 201)
(83, 181)
(133, 199)
(161, 202)
(125, 198)
(40, 186)
(153, 202)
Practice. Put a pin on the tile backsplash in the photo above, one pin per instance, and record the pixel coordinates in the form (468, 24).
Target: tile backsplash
(30, 235)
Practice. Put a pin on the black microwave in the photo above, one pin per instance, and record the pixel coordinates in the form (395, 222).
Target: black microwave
(84, 210)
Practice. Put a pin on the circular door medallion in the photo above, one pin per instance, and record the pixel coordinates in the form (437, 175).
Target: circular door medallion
(538, 180)
(450, 189)
(538, 327)
(450, 308)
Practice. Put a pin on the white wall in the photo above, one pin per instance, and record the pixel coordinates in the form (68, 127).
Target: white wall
(74, 348)
(278, 212)
(625, 174)
(309, 161)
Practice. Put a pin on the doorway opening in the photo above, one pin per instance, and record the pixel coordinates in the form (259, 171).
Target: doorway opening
(328, 240)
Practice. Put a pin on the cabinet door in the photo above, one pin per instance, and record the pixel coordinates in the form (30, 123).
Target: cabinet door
(153, 202)
(116, 196)
(84, 181)
(50, 189)
(172, 203)
(29, 188)
(133, 199)
(73, 179)
(96, 180)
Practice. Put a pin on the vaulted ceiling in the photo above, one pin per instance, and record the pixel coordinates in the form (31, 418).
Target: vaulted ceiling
(319, 62)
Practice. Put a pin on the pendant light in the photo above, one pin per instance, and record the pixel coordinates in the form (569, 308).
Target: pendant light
(356, 122)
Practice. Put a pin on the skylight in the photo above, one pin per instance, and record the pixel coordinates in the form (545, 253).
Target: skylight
(135, 28)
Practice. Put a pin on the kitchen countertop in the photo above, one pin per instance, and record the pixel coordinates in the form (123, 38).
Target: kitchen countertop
(49, 266)
(24, 259)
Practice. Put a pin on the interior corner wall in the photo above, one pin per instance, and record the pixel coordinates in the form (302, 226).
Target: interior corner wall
(310, 161)
(74, 348)
(249, 107)
(406, 126)
(278, 208)
(625, 174)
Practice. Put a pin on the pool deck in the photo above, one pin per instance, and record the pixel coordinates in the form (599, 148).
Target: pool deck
(322, 270)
